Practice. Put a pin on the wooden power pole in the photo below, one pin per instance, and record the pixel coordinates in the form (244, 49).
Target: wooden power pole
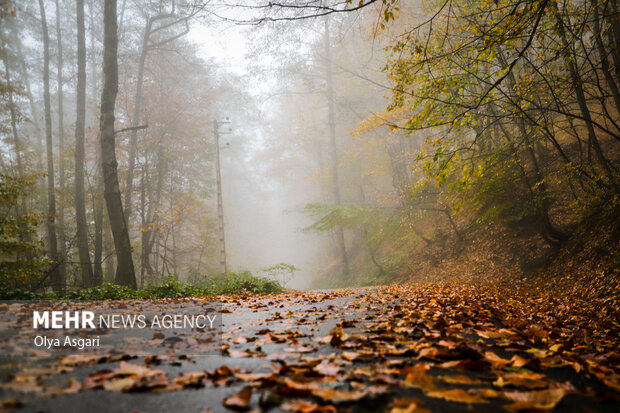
(220, 206)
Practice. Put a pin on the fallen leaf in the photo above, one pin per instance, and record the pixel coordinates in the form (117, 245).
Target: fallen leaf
(240, 400)
(302, 406)
(338, 396)
(418, 378)
(459, 379)
(456, 395)
(534, 400)
(326, 368)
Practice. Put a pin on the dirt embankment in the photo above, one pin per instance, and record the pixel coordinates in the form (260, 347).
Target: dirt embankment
(586, 268)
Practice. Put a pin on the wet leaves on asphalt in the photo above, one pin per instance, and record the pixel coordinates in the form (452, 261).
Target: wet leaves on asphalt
(398, 349)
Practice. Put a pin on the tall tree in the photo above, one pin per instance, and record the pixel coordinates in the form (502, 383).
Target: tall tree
(97, 196)
(147, 45)
(62, 266)
(14, 116)
(80, 207)
(342, 249)
(56, 278)
(125, 274)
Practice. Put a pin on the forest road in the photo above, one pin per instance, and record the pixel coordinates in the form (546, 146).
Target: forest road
(412, 348)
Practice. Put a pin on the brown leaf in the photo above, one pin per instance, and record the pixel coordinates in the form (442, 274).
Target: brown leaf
(407, 405)
(495, 360)
(119, 384)
(502, 333)
(459, 379)
(302, 406)
(456, 395)
(326, 368)
(338, 396)
(190, 380)
(150, 380)
(255, 376)
(236, 354)
(350, 355)
(534, 400)
(73, 387)
(82, 359)
(240, 400)
(418, 378)
(528, 380)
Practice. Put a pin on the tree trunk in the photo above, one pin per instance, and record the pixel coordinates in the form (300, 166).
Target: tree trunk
(109, 260)
(614, 35)
(62, 248)
(334, 149)
(33, 109)
(97, 194)
(613, 87)
(151, 234)
(581, 100)
(98, 242)
(125, 274)
(143, 221)
(57, 280)
(80, 208)
(537, 184)
(133, 145)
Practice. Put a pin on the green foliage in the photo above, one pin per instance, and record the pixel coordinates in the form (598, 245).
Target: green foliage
(241, 282)
(231, 283)
(493, 147)
(387, 235)
(105, 291)
(14, 293)
(19, 247)
(173, 288)
(347, 216)
(281, 272)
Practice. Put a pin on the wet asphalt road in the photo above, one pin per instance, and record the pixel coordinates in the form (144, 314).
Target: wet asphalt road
(312, 315)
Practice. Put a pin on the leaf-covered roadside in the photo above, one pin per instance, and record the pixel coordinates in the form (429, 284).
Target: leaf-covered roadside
(414, 348)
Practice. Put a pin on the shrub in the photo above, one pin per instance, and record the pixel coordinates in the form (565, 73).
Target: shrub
(231, 283)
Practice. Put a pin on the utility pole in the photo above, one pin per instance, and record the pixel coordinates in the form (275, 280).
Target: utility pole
(220, 205)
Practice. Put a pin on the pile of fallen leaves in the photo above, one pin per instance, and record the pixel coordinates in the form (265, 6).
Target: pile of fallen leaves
(412, 348)
(586, 266)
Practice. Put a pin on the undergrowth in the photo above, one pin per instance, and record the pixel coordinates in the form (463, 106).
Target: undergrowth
(232, 283)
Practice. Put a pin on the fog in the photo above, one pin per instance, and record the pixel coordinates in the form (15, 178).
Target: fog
(359, 142)
(264, 194)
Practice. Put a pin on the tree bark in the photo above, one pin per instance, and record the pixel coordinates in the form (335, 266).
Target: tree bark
(125, 274)
(334, 149)
(611, 82)
(62, 248)
(133, 146)
(537, 184)
(57, 281)
(80, 208)
(581, 100)
(97, 193)
(33, 109)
